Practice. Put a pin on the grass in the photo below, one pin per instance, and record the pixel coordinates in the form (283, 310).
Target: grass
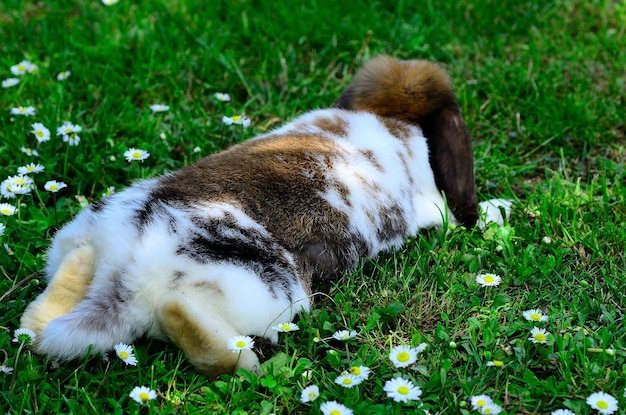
(541, 86)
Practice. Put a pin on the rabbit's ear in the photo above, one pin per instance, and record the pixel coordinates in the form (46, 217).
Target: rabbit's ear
(452, 160)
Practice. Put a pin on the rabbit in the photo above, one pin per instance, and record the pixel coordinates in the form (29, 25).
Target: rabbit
(234, 243)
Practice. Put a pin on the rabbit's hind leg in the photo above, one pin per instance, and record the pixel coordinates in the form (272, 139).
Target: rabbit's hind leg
(203, 337)
(65, 290)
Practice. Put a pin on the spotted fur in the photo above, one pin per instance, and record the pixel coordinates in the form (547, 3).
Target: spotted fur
(233, 243)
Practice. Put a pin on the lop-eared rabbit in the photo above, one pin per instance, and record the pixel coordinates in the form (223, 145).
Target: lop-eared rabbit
(232, 244)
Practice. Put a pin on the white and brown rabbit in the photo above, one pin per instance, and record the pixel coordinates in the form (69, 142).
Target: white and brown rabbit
(231, 245)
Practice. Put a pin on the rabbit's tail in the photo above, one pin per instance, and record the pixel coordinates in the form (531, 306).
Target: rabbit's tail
(420, 93)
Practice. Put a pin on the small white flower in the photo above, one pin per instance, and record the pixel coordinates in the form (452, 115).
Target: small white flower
(159, 107)
(30, 151)
(7, 247)
(109, 191)
(546, 240)
(221, 96)
(9, 82)
(344, 335)
(125, 352)
(335, 408)
(237, 120)
(239, 343)
(286, 327)
(403, 356)
(7, 209)
(54, 186)
(602, 402)
(142, 394)
(535, 315)
(24, 67)
(538, 335)
(62, 76)
(41, 132)
(69, 133)
(479, 401)
(110, 2)
(25, 111)
(2, 229)
(495, 363)
(197, 149)
(134, 154)
(16, 185)
(25, 336)
(491, 409)
(348, 380)
(420, 348)
(402, 390)
(310, 393)
(30, 168)
(562, 412)
(5, 369)
(360, 372)
(488, 280)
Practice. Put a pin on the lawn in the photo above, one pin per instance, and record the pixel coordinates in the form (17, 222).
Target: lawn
(541, 85)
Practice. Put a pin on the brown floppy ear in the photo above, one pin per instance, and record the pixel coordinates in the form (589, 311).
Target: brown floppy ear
(452, 160)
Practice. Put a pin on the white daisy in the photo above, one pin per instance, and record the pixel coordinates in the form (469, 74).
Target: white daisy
(491, 409)
(562, 412)
(239, 343)
(479, 401)
(535, 315)
(403, 356)
(221, 96)
(488, 280)
(2, 229)
(54, 186)
(402, 390)
(41, 132)
(110, 2)
(159, 107)
(24, 67)
(286, 327)
(9, 82)
(602, 402)
(23, 111)
(69, 133)
(495, 363)
(143, 394)
(5, 369)
(29, 151)
(344, 335)
(348, 380)
(109, 191)
(125, 352)
(361, 372)
(62, 76)
(7, 247)
(335, 408)
(237, 120)
(30, 168)
(310, 393)
(538, 335)
(25, 336)
(7, 209)
(16, 185)
(134, 154)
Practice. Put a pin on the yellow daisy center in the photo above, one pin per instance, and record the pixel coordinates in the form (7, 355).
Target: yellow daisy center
(403, 357)
(5, 211)
(486, 410)
(236, 117)
(347, 381)
(489, 279)
(355, 370)
(21, 67)
(240, 344)
(498, 363)
(54, 187)
(540, 337)
(39, 133)
(144, 396)
(285, 327)
(335, 412)
(481, 402)
(124, 355)
(403, 390)
(136, 155)
(602, 404)
(535, 316)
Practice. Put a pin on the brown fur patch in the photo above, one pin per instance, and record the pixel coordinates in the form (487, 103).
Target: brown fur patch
(335, 125)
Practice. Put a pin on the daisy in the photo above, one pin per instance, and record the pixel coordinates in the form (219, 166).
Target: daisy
(62, 76)
(142, 394)
(159, 107)
(54, 186)
(535, 315)
(488, 280)
(348, 380)
(9, 82)
(361, 372)
(31, 168)
(491, 409)
(5, 369)
(310, 393)
(546, 240)
(23, 111)
(335, 408)
(7, 247)
(602, 402)
(538, 335)
(24, 67)
(285, 327)
(7, 209)
(69, 133)
(25, 336)
(239, 343)
(125, 352)
(41, 132)
(2, 229)
(29, 151)
(403, 356)
(134, 154)
(420, 348)
(344, 335)
(495, 363)
(16, 185)
(236, 119)
(402, 390)
(221, 96)
(479, 401)
(109, 191)
(110, 2)
(562, 412)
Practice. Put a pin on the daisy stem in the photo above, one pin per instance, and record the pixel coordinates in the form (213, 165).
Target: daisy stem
(17, 358)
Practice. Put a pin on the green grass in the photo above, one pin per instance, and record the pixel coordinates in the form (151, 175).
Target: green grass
(542, 87)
